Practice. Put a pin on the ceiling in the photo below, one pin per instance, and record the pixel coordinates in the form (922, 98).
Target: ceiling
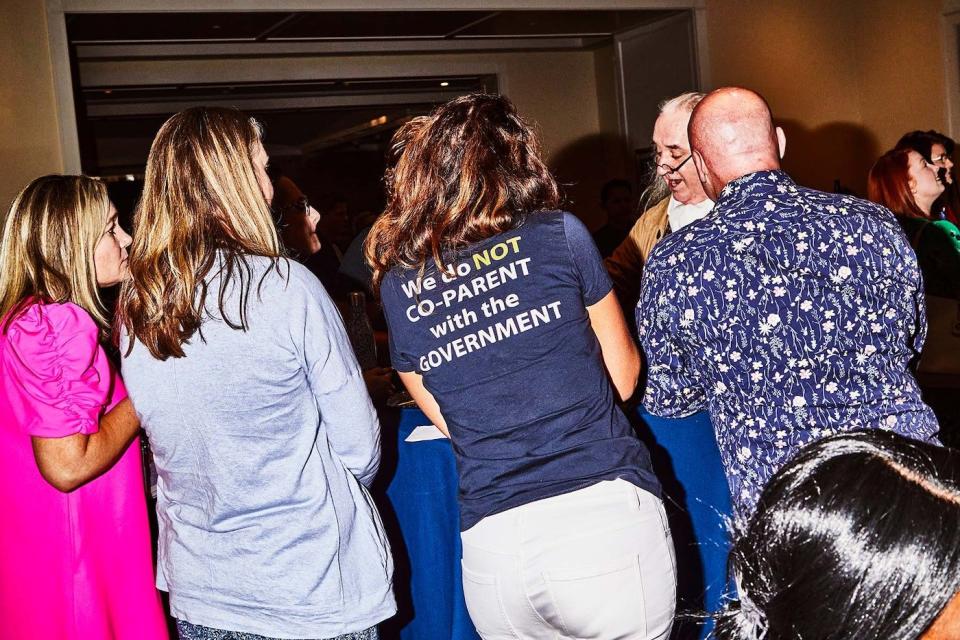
(301, 115)
(99, 35)
(117, 39)
(139, 100)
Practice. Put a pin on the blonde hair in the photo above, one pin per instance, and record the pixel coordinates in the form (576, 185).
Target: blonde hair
(47, 246)
(201, 200)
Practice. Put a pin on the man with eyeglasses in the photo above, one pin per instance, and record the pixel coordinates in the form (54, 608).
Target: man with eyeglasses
(677, 192)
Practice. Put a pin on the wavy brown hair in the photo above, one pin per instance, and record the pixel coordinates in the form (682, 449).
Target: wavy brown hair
(47, 246)
(889, 183)
(468, 171)
(202, 209)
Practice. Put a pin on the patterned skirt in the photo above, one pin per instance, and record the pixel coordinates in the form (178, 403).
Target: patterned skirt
(188, 631)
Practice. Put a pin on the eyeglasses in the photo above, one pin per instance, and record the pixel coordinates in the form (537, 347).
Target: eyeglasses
(940, 159)
(302, 205)
(668, 169)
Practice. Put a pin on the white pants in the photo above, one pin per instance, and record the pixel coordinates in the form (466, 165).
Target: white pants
(594, 563)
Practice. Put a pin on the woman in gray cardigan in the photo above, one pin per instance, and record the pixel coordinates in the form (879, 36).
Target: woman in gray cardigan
(262, 431)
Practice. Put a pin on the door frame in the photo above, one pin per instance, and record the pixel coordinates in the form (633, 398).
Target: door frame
(56, 11)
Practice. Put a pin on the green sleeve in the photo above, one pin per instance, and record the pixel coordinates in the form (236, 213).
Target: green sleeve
(939, 255)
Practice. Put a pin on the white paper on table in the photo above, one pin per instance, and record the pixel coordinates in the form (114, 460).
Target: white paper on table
(425, 432)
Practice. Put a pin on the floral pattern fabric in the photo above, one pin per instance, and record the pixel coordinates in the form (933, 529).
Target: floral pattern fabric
(789, 314)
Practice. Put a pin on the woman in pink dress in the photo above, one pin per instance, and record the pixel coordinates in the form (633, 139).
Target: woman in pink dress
(75, 561)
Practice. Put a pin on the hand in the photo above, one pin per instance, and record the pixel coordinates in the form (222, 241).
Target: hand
(379, 381)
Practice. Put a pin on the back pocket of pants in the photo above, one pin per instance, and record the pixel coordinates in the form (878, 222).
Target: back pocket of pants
(600, 601)
(482, 593)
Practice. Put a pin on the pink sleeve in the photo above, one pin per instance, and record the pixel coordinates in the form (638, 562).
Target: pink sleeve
(65, 380)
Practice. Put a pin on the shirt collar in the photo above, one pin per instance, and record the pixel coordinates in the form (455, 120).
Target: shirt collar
(680, 215)
(757, 183)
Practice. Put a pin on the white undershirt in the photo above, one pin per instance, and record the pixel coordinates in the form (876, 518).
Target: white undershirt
(680, 215)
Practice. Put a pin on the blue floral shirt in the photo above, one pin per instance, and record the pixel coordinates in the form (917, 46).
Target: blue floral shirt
(789, 314)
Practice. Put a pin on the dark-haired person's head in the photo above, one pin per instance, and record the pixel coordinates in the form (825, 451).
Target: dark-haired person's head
(616, 198)
(609, 189)
(468, 171)
(903, 181)
(857, 537)
(296, 218)
(335, 224)
(935, 147)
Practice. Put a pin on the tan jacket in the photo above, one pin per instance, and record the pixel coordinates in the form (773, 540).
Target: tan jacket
(626, 264)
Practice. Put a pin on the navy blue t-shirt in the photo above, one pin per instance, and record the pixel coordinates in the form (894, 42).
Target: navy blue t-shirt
(506, 348)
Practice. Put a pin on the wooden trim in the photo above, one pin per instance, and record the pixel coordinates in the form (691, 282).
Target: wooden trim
(116, 6)
(951, 53)
(63, 87)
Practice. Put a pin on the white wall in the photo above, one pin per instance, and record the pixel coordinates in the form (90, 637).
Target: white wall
(846, 78)
(29, 138)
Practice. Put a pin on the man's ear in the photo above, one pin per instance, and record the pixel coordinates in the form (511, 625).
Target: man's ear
(701, 166)
(781, 142)
(703, 173)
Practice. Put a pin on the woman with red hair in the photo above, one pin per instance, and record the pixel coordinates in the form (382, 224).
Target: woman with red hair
(937, 149)
(906, 183)
(903, 181)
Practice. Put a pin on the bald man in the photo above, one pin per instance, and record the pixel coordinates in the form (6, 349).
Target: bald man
(787, 313)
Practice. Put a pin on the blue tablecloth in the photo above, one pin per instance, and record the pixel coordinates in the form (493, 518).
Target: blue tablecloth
(687, 462)
(423, 522)
(421, 514)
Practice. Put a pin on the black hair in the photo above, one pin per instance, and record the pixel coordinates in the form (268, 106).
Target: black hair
(857, 537)
(328, 201)
(922, 142)
(616, 183)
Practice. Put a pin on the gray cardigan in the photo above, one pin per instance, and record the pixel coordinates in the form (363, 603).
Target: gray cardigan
(263, 440)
